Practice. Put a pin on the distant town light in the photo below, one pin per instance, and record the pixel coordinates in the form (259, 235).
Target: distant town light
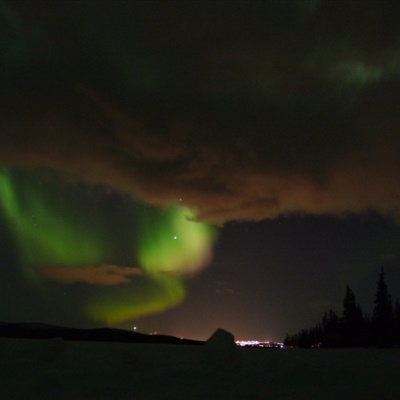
(256, 343)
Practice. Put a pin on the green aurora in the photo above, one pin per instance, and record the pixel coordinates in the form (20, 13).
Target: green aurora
(74, 225)
(151, 295)
(170, 242)
(46, 229)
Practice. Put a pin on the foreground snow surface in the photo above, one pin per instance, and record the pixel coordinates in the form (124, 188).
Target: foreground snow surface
(58, 369)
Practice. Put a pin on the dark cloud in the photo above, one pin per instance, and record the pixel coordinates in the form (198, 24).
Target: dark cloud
(103, 275)
(244, 110)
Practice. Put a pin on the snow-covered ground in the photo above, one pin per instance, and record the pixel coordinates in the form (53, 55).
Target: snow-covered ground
(58, 369)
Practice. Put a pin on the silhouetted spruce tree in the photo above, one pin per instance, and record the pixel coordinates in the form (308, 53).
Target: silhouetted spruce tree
(352, 322)
(331, 329)
(304, 338)
(368, 333)
(288, 340)
(382, 317)
(397, 323)
(316, 336)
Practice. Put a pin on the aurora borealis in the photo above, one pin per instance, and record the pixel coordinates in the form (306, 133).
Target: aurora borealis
(56, 226)
(45, 224)
(172, 242)
(155, 294)
(186, 166)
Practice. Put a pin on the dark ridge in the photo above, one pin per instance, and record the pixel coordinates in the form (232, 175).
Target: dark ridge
(45, 331)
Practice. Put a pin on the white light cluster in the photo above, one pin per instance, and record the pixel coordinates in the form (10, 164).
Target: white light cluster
(256, 343)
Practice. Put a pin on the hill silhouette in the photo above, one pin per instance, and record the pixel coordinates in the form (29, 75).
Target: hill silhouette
(46, 331)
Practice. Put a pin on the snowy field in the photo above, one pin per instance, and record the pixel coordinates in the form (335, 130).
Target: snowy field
(58, 369)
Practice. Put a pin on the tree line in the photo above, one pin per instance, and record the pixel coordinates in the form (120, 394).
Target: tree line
(354, 328)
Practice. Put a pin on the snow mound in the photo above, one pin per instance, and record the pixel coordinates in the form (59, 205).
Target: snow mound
(220, 352)
(221, 340)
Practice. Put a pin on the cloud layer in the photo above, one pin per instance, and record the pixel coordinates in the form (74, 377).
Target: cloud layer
(245, 112)
(103, 275)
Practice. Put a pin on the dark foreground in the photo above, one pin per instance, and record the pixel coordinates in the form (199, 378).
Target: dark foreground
(62, 369)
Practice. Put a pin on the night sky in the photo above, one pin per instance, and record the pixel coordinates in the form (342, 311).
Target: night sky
(184, 166)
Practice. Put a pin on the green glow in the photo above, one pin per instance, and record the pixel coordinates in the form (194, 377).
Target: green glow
(56, 224)
(356, 73)
(47, 230)
(154, 295)
(169, 245)
(170, 241)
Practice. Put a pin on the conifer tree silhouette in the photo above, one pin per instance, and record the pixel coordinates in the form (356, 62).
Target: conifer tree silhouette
(382, 317)
(352, 322)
